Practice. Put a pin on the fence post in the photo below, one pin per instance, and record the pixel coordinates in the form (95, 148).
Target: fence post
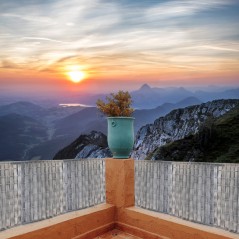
(119, 175)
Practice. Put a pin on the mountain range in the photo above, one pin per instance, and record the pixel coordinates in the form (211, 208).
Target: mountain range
(167, 136)
(147, 97)
(59, 126)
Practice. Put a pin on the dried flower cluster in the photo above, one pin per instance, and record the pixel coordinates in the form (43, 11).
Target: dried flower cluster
(117, 105)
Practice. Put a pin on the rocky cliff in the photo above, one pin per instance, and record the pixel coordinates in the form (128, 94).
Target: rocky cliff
(176, 125)
(216, 141)
(93, 145)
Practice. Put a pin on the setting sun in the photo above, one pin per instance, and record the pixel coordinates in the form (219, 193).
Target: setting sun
(76, 76)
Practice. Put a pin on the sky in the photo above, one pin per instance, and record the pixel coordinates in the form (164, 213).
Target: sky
(117, 44)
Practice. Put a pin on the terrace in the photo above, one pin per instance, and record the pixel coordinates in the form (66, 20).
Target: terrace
(110, 198)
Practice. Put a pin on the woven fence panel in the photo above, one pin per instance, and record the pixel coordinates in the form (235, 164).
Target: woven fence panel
(205, 193)
(33, 191)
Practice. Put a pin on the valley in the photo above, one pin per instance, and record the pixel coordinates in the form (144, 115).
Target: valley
(60, 125)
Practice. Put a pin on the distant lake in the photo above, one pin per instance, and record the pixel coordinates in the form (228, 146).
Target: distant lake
(74, 105)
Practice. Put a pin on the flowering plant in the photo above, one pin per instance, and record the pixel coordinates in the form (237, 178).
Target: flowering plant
(117, 105)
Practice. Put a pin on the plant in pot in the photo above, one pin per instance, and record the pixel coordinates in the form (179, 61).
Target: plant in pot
(118, 110)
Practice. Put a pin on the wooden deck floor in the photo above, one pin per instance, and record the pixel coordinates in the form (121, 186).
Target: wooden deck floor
(116, 234)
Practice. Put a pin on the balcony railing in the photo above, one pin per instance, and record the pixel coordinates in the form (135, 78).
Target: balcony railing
(205, 193)
(36, 190)
(200, 192)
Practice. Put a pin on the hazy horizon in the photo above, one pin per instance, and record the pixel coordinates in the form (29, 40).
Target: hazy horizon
(88, 98)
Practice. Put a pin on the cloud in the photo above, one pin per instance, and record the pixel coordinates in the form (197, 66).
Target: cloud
(29, 18)
(219, 48)
(44, 39)
(8, 65)
(172, 9)
(100, 34)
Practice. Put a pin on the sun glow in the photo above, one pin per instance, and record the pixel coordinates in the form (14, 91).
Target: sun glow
(76, 76)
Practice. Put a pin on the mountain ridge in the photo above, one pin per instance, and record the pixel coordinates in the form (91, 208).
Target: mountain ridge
(86, 146)
(216, 141)
(18, 135)
(65, 124)
(177, 124)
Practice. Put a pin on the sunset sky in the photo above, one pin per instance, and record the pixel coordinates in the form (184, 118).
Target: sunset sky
(44, 43)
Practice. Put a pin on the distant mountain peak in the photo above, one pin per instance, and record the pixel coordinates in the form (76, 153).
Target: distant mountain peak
(191, 100)
(24, 103)
(145, 87)
(182, 89)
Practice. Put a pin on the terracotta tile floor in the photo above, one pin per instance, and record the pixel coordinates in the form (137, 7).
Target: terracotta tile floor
(116, 234)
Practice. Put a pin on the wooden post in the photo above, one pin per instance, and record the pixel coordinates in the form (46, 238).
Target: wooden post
(120, 182)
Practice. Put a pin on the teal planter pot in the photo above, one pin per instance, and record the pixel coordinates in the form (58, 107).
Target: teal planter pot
(120, 136)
